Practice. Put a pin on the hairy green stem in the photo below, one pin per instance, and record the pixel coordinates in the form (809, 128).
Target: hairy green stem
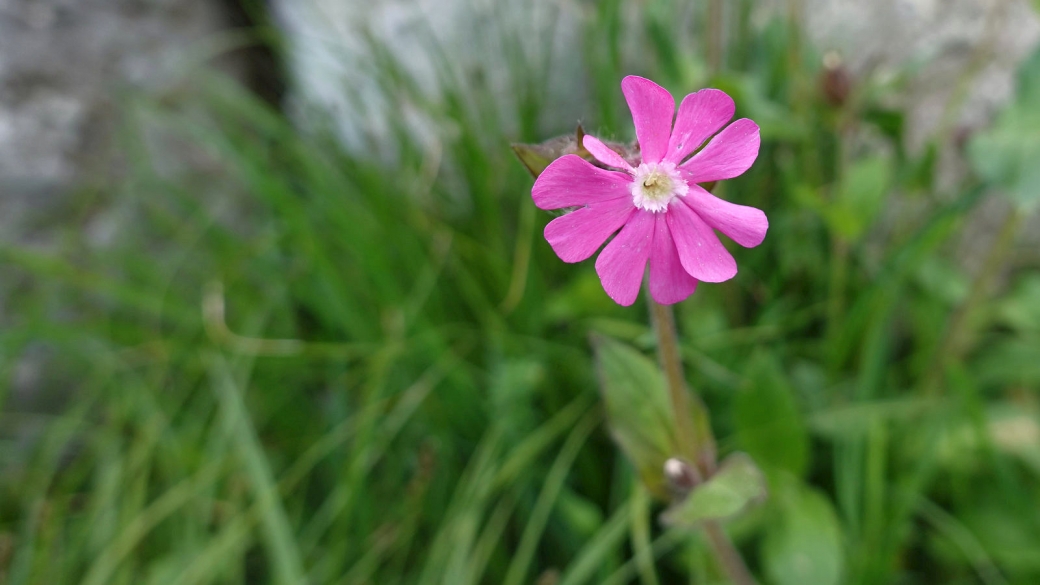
(693, 433)
(727, 555)
(692, 427)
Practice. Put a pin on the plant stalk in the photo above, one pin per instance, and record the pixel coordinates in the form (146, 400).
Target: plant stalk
(692, 426)
(693, 433)
(727, 555)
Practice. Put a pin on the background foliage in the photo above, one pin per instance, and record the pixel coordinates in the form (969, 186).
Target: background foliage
(303, 365)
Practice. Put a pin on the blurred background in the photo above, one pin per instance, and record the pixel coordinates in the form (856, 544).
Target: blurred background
(275, 306)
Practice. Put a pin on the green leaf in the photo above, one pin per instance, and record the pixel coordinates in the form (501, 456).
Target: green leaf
(769, 426)
(1020, 310)
(1007, 153)
(1010, 362)
(940, 279)
(736, 485)
(583, 517)
(805, 545)
(638, 409)
(854, 420)
(859, 196)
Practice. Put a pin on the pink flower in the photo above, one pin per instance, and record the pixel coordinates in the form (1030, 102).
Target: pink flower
(665, 217)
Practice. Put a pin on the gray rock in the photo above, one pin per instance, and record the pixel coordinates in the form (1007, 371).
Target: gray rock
(477, 45)
(335, 71)
(63, 64)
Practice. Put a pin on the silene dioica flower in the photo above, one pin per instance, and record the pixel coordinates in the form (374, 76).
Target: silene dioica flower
(666, 218)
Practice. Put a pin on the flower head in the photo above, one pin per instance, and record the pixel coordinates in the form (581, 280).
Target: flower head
(665, 218)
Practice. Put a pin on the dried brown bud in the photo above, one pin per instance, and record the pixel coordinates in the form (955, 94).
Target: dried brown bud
(835, 81)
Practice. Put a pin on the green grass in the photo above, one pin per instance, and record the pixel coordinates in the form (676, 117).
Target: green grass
(304, 365)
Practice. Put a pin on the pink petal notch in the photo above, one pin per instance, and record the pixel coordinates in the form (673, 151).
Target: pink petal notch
(577, 235)
(700, 251)
(701, 114)
(669, 281)
(745, 225)
(571, 181)
(652, 110)
(728, 155)
(604, 153)
(621, 264)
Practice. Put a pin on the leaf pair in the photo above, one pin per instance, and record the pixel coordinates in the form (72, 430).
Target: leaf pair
(642, 423)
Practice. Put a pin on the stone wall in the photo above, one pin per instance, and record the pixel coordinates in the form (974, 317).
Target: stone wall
(64, 62)
(331, 67)
(63, 66)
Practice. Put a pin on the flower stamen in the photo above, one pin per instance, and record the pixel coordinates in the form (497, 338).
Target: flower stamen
(655, 185)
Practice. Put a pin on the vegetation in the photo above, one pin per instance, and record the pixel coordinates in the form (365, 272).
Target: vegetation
(303, 365)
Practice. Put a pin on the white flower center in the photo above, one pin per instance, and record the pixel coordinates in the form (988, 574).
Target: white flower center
(655, 185)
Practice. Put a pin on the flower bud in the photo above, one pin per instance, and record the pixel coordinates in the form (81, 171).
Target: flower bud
(681, 476)
(835, 81)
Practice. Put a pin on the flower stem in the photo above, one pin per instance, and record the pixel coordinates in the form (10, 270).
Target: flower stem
(693, 433)
(692, 427)
(727, 555)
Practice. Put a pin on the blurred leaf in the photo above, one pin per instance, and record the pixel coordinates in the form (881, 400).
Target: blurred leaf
(808, 196)
(859, 196)
(921, 169)
(775, 120)
(854, 420)
(1020, 310)
(805, 546)
(580, 514)
(769, 426)
(736, 485)
(638, 409)
(630, 331)
(1008, 534)
(942, 281)
(890, 122)
(583, 296)
(1009, 362)
(511, 394)
(1007, 153)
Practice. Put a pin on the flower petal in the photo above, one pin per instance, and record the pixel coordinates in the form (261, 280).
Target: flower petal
(604, 153)
(652, 111)
(728, 155)
(701, 114)
(571, 180)
(621, 264)
(745, 225)
(700, 251)
(669, 281)
(577, 235)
